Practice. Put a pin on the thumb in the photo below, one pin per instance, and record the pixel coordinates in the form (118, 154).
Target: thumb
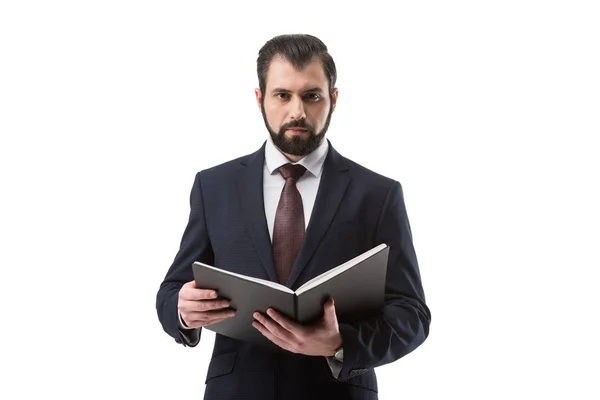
(330, 310)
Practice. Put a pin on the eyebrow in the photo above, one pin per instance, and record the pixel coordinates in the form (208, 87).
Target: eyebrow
(282, 90)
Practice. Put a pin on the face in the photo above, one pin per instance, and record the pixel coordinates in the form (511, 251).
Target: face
(296, 106)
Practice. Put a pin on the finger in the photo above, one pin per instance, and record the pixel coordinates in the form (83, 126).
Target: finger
(329, 304)
(192, 293)
(207, 305)
(273, 327)
(290, 325)
(202, 305)
(213, 322)
(329, 309)
(266, 333)
(208, 316)
(329, 315)
(198, 311)
(200, 324)
(213, 315)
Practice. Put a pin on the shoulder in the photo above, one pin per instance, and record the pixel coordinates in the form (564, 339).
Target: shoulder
(367, 178)
(225, 168)
(376, 187)
(365, 174)
(229, 169)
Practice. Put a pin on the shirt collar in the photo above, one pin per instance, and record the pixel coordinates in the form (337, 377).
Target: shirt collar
(313, 162)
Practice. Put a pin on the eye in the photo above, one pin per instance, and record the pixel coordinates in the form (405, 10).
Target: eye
(314, 97)
(282, 96)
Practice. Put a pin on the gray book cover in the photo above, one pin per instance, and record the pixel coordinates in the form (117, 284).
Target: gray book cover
(357, 287)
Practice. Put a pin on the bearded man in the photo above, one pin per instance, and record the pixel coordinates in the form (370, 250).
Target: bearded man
(287, 213)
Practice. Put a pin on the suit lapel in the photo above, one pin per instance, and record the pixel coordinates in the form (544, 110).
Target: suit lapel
(329, 196)
(250, 192)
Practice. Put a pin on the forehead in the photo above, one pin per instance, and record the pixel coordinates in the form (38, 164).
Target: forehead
(282, 74)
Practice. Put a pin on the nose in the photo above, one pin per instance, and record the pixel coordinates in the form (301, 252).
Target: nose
(297, 109)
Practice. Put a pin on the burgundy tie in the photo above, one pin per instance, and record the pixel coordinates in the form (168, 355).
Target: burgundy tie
(288, 231)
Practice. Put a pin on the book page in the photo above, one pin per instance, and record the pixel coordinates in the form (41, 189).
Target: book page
(264, 282)
(339, 269)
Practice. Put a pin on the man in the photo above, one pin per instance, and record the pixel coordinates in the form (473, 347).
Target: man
(287, 213)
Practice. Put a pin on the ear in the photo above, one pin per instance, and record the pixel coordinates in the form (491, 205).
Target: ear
(334, 97)
(258, 95)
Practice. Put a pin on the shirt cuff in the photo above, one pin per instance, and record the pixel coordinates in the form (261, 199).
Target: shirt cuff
(189, 336)
(182, 324)
(335, 366)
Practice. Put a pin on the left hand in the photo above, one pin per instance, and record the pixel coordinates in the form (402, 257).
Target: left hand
(320, 339)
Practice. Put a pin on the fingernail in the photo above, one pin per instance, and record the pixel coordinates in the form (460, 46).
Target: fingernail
(213, 294)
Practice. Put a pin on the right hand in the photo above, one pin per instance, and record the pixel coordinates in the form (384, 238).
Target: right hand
(199, 308)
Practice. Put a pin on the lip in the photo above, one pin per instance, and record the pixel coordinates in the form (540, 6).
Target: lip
(297, 129)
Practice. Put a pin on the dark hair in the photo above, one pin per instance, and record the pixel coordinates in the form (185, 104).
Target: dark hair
(298, 49)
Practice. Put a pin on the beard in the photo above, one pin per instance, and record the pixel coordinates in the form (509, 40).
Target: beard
(295, 145)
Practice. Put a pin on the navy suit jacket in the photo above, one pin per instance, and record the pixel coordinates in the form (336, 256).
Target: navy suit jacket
(355, 210)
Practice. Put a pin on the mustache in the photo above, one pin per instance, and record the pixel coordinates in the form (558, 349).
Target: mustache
(297, 124)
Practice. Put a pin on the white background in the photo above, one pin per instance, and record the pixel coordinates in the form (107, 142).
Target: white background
(486, 112)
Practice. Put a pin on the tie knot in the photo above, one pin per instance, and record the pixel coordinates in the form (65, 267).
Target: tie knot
(292, 171)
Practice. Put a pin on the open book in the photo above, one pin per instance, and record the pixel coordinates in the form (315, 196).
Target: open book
(357, 286)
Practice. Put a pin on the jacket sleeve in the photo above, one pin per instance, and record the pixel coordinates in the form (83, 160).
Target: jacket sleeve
(195, 246)
(403, 324)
